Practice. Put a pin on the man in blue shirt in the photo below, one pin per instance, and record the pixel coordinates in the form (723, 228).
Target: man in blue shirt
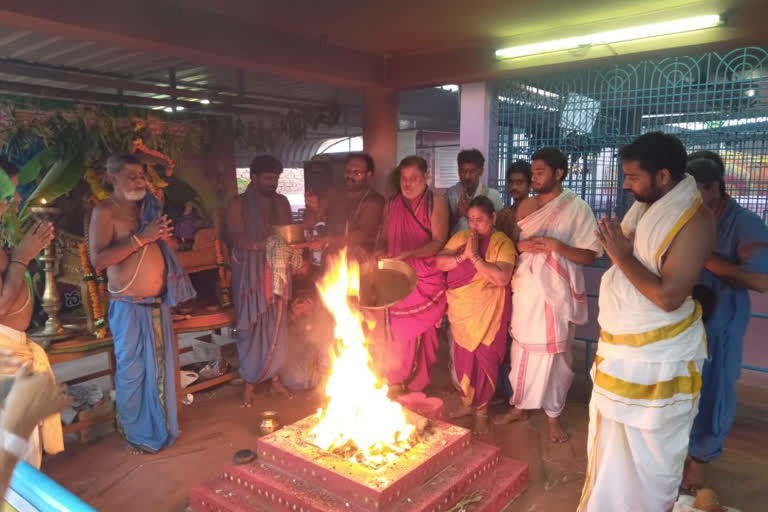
(739, 264)
(459, 196)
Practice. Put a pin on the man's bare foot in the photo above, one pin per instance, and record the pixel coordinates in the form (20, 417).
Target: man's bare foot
(248, 392)
(692, 477)
(511, 416)
(464, 410)
(498, 400)
(278, 389)
(133, 450)
(556, 432)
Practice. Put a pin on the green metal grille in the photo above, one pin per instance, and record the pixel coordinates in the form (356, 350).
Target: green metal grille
(716, 101)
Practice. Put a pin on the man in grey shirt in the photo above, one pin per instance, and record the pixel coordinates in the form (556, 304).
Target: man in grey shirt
(459, 196)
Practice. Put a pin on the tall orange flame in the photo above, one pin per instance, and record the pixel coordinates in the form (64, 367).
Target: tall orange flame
(359, 411)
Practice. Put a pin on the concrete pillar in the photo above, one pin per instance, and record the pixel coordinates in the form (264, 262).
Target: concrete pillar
(380, 123)
(474, 120)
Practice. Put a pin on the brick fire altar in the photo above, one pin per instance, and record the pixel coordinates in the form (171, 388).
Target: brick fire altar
(444, 468)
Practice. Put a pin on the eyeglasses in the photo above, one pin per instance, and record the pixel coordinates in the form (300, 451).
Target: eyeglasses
(356, 174)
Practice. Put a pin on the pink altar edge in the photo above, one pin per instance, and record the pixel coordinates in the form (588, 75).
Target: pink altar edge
(291, 474)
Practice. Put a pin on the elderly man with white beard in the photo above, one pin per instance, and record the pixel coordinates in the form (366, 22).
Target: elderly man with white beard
(128, 234)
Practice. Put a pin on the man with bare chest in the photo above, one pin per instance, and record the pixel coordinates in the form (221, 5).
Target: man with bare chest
(16, 305)
(356, 217)
(127, 237)
(261, 316)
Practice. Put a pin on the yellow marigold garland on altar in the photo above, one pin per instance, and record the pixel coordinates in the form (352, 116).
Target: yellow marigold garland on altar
(96, 291)
(101, 283)
(155, 183)
(138, 146)
(224, 284)
(97, 187)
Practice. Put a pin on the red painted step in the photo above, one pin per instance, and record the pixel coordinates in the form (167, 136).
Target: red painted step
(478, 471)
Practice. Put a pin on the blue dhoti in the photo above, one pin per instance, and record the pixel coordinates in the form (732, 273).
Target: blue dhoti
(260, 326)
(142, 329)
(145, 384)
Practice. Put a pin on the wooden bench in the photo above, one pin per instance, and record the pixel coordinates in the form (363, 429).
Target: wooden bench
(80, 348)
(200, 323)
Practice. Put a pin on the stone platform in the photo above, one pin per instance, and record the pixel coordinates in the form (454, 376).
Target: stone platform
(445, 467)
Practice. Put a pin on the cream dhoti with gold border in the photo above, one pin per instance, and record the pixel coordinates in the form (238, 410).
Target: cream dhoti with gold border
(647, 373)
(48, 435)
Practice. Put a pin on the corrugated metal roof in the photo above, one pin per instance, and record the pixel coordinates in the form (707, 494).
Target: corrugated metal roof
(89, 57)
(55, 57)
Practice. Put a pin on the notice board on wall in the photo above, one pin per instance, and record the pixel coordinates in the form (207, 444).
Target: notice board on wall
(446, 171)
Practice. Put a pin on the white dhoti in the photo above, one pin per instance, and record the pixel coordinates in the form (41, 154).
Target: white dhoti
(549, 300)
(647, 374)
(541, 380)
(645, 465)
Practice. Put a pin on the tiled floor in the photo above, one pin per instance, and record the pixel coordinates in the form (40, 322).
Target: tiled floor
(214, 428)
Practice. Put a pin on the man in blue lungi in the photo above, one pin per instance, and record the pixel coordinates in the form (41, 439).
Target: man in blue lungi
(128, 234)
(261, 315)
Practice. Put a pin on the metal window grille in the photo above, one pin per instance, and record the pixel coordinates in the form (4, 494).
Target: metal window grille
(715, 101)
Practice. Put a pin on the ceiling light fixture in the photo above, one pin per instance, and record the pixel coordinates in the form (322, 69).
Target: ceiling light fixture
(179, 108)
(168, 109)
(613, 36)
(205, 101)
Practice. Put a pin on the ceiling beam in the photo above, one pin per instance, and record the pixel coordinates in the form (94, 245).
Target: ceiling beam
(198, 36)
(44, 91)
(102, 81)
(44, 72)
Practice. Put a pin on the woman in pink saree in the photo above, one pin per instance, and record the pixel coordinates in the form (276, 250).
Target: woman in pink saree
(479, 263)
(417, 228)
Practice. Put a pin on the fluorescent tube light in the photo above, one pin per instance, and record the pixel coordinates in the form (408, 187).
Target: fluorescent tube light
(613, 36)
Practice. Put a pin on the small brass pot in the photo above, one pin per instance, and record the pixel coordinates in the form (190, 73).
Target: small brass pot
(291, 233)
(268, 423)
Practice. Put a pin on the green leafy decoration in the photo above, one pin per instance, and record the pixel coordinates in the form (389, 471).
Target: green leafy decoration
(7, 188)
(38, 163)
(10, 228)
(63, 176)
(9, 221)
